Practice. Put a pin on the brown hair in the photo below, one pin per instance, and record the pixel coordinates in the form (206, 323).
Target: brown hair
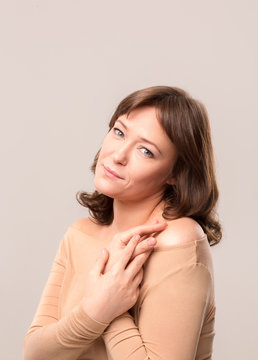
(186, 122)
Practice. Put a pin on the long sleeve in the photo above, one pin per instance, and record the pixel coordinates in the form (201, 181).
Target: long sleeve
(170, 319)
(50, 337)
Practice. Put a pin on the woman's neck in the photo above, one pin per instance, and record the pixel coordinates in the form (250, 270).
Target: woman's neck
(127, 215)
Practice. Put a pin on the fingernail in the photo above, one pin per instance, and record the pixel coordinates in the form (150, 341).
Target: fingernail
(155, 221)
(151, 241)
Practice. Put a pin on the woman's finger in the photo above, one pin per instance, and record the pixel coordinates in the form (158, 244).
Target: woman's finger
(127, 253)
(143, 246)
(135, 265)
(101, 261)
(138, 278)
(125, 236)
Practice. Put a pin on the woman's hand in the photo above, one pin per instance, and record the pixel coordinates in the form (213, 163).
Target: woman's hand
(145, 244)
(111, 294)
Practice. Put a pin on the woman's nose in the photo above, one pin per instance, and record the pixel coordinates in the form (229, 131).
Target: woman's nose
(120, 155)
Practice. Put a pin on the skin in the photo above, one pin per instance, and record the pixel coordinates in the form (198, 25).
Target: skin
(137, 197)
(112, 286)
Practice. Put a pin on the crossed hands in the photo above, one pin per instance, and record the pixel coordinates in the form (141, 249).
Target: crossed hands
(112, 285)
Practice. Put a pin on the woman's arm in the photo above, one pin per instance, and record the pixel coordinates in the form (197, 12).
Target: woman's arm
(50, 338)
(170, 319)
(106, 296)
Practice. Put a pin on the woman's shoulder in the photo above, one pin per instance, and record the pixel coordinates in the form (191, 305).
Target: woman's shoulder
(181, 231)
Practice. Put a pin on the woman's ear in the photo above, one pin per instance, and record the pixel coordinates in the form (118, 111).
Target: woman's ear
(171, 181)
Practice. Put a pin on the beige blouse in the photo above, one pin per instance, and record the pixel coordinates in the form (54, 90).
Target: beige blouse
(173, 318)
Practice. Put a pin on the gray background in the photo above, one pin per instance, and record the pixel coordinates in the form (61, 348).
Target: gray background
(65, 65)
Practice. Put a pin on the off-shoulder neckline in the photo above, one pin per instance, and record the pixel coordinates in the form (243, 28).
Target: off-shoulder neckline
(196, 242)
(161, 247)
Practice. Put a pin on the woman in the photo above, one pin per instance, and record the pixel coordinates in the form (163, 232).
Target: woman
(149, 294)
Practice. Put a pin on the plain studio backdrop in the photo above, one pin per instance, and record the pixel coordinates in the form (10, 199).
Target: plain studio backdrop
(65, 65)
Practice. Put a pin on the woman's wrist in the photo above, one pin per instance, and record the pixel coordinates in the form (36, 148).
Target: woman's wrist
(92, 311)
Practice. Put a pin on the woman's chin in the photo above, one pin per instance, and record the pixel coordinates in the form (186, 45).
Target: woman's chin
(105, 190)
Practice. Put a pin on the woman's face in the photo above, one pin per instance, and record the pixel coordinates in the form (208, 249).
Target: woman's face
(144, 168)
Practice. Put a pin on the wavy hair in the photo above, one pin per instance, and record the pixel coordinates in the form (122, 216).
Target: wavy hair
(186, 123)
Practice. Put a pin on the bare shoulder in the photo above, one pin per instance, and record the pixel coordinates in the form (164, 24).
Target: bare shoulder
(179, 231)
(86, 225)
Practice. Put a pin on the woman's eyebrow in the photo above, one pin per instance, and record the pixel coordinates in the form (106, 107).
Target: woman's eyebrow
(140, 137)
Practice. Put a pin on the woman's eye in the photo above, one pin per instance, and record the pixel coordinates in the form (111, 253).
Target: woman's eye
(148, 152)
(118, 130)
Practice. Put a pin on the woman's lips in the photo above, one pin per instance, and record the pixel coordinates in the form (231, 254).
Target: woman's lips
(111, 173)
